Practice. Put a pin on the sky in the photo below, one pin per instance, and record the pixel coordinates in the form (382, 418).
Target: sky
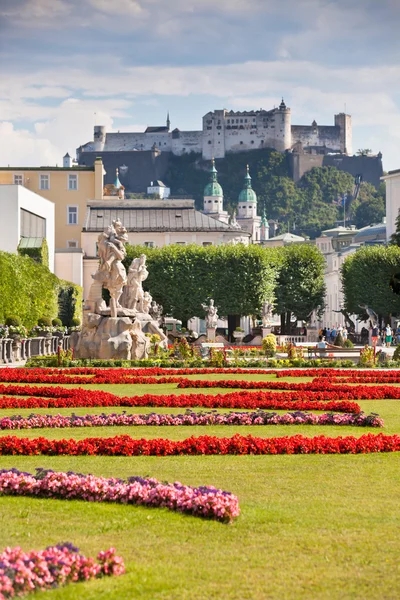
(66, 65)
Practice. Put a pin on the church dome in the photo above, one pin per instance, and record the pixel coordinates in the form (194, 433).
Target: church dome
(247, 194)
(213, 188)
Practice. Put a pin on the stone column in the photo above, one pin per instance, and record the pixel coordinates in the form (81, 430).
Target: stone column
(211, 334)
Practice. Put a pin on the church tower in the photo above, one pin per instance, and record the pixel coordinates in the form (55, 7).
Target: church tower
(247, 210)
(214, 197)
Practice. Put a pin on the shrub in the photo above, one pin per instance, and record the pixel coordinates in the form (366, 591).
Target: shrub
(348, 344)
(44, 322)
(75, 322)
(396, 354)
(339, 341)
(269, 345)
(13, 321)
(56, 322)
(27, 289)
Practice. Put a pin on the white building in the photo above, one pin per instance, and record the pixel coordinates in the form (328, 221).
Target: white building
(392, 180)
(158, 189)
(25, 214)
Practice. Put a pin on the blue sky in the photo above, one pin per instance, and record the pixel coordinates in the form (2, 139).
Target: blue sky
(129, 61)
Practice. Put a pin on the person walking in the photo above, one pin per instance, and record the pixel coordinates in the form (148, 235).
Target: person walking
(388, 336)
(398, 333)
(333, 334)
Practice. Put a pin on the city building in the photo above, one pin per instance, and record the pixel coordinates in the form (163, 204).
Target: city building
(27, 218)
(158, 189)
(392, 180)
(247, 211)
(69, 187)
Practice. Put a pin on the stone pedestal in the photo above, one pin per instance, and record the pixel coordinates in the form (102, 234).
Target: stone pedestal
(266, 331)
(110, 338)
(211, 334)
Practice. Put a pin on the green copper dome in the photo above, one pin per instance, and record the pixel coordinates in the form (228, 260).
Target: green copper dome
(247, 194)
(213, 188)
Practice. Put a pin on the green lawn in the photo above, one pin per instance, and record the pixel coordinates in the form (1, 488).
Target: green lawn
(311, 527)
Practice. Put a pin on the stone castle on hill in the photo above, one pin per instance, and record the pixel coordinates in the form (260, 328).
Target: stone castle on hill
(228, 131)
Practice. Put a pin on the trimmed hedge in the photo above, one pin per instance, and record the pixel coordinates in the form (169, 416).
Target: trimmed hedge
(30, 291)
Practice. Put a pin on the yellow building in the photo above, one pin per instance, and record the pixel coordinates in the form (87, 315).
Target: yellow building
(69, 187)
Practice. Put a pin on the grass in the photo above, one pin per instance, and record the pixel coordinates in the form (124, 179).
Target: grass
(323, 527)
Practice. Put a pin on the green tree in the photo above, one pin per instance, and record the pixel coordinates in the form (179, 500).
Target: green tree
(395, 238)
(181, 278)
(369, 212)
(300, 285)
(367, 276)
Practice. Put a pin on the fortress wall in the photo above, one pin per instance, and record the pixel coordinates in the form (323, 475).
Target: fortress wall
(183, 142)
(325, 135)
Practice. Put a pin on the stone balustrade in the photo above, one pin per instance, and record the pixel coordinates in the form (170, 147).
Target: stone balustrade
(17, 350)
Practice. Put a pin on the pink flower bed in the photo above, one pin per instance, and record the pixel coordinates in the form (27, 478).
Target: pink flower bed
(206, 502)
(189, 418)
(26, 572)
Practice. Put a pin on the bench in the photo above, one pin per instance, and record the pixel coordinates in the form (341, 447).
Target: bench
(330, 352)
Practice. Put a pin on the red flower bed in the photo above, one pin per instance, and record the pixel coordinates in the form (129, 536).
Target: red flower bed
(317, 385)
(58, 397)
(204, 445)
(83, 375)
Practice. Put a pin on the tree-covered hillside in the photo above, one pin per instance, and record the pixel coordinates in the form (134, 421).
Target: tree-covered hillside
(312, 204)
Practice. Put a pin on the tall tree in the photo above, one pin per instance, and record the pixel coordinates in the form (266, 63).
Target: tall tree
(300, 285)
(181, 278)
(367, 276)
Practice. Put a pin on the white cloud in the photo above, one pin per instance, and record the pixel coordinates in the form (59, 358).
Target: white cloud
(311, 90)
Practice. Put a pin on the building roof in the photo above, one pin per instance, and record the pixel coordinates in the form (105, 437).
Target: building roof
(287, 237)
(136, 216)
(371, 231)
(73, 168)
(157, 183)
(157, 129)
(247, 194)
(213, 188)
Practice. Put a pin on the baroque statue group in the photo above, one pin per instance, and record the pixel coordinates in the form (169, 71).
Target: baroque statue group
(118, 330)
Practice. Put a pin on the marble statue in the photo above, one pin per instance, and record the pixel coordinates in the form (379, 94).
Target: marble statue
(133, 294)
(111, 273)
(373, 317)
(266, 314)
(211, 315)
(147, 300)
(156, 311)
(121, 330)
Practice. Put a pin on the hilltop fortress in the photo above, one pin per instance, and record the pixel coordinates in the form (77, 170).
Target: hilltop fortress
(228, 131)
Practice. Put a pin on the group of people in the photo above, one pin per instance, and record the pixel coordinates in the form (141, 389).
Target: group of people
(330, 334)
(385, 336)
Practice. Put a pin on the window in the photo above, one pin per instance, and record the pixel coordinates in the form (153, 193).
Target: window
(44, 182)
(207, 243)
(18, 179)
(72, 244)
(149, 244)
(32, 225)
(72, 182)
(72, 215)
(180, 243)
